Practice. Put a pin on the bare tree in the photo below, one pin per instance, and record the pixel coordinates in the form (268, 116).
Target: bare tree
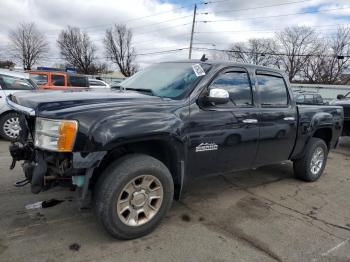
(118, 44)
(298, 44)
(332, 60)
(255, 51)
(77, 50)
(29, 45)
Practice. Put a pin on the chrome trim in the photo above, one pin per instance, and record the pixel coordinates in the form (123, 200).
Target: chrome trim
(289, 118)
(17, 107)
(250, 121)
(218, 93)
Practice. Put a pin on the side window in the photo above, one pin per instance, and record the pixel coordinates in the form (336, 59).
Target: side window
(299, 99)
(238, 86)
(319, 99)
(39, 79)
(57, 80)
(77, 81)
(309, 99)
(15, 83)
(273, 91)
(96, 83)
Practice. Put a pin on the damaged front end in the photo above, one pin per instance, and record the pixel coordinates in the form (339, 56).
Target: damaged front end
(44, 170)
(46, 148)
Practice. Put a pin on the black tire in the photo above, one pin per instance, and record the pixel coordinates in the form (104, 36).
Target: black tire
(110, 185)
(302, 167)
(3, 120)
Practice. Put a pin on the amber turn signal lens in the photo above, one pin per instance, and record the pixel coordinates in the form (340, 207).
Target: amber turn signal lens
(66, 135)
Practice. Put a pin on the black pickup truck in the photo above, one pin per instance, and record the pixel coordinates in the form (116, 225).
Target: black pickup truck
(134, 148)
(344, 101)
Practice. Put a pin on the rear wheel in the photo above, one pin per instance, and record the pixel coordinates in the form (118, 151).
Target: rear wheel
(133, 195)
(9, 126)
(311, 166)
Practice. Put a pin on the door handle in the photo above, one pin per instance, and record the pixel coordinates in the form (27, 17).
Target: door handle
(250, 121)
(289, 118)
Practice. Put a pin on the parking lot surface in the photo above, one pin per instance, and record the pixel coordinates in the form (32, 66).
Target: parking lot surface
(257, 215)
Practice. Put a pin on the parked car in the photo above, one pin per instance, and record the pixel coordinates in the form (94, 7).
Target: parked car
(96, 83)
(11, 82)
(136, 148)
(58, 80)
(344, 101)
(308, 98)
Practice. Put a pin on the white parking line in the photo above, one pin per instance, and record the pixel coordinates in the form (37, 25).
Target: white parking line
(335, 248)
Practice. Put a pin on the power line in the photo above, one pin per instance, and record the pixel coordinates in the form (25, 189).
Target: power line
(264, 31)
(265, 53)
(254, 8)
(263, 17)
(141, 54)
(161, 29)
(152, 15)
(164, 52)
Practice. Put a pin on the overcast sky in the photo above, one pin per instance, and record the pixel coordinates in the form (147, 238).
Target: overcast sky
(166, 25)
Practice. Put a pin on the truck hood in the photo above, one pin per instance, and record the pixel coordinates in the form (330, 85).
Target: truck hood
(41, 101)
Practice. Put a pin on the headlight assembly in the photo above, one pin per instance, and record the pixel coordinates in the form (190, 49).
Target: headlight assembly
(55, 135)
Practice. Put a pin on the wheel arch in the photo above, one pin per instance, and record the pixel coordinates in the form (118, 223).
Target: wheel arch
(169, 152)
(324, 133)
(7, 112)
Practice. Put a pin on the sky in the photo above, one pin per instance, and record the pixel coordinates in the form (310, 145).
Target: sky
(163, 25)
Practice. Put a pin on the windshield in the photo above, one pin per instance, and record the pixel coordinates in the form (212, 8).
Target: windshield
(172, 80)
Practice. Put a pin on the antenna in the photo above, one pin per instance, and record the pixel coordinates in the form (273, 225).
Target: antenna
(203, 58)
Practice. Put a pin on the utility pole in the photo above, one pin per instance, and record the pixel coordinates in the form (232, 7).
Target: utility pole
(192, 32)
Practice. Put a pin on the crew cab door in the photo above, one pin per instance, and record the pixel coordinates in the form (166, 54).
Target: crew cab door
(278, 119)
(223, 137)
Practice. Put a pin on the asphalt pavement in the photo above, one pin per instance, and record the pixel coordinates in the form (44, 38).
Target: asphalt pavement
(258, 215)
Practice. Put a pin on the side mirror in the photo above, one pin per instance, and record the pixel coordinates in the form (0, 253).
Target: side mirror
(218, 96)
(340, 97)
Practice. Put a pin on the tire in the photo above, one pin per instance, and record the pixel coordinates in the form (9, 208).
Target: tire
(9, 126)
(110, 190)
(304, 168)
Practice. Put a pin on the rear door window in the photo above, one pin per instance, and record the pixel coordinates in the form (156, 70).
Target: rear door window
(78, 81)
(57, 80)
(319, 99)
(273, 91)
(309, 99)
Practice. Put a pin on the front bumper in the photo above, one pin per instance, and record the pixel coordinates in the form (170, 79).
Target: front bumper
(45, 169)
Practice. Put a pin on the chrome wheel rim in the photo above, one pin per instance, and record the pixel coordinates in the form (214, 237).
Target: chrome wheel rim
(11, 127)
(140, 200)
(317, 160)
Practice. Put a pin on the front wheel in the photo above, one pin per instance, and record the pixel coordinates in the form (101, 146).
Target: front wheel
(133, 195)
(310, 167)
(9, 126)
